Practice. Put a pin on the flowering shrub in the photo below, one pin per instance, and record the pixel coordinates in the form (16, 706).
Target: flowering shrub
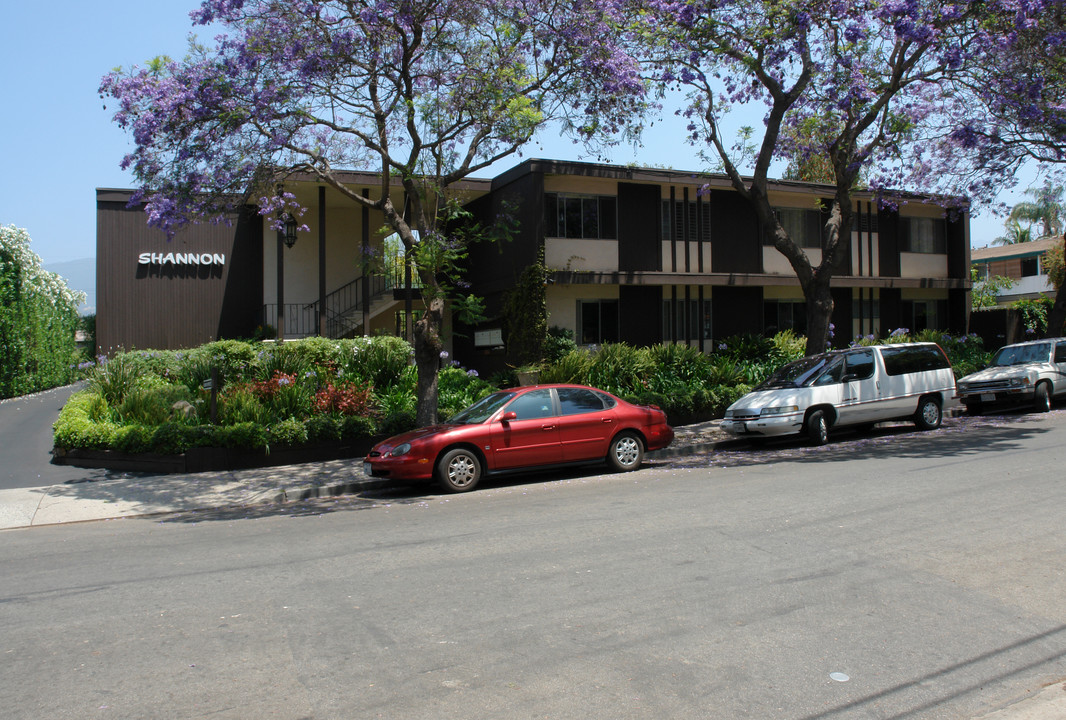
(345, 398)
(38, 317)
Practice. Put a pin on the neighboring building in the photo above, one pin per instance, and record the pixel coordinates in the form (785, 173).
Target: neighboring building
(1021, 262)
(636, 255)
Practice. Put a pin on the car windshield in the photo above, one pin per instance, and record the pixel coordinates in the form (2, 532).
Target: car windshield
(482, 410)
(1022, 354)
(799, 373)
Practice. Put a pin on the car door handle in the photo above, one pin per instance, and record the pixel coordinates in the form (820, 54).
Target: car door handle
(547, 427)
(606, 420)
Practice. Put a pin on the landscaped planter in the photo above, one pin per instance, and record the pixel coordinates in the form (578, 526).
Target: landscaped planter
(205, 459)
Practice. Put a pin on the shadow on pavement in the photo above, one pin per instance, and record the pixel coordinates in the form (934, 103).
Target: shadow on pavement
(956, 438)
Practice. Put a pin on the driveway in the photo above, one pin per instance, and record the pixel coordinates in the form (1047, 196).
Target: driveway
(26, 440)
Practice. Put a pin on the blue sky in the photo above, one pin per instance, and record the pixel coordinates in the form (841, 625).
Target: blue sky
(59, 144)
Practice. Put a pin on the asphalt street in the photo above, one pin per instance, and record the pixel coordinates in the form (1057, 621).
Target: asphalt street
(891, 575)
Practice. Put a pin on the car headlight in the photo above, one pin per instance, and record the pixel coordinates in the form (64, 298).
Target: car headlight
(964, 386)
(781, 410)
(401, 449)
(1019, 381)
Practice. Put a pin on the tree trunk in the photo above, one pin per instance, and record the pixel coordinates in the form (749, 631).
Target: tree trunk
(428, 348)
(819, 311)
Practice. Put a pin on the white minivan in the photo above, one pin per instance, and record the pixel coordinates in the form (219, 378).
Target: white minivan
(859, 386)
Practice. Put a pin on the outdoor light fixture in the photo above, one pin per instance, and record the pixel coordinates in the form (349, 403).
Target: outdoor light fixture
(290, 231)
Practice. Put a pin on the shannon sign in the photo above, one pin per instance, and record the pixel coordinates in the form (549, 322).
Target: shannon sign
(150, 258)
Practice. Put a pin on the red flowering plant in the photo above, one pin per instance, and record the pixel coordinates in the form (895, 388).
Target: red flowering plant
(345, 398)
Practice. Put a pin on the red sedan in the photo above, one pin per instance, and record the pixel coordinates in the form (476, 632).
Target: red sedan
(524, 428)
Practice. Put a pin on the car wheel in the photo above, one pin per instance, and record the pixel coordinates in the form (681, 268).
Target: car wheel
(974, 408)
(1042, 400)
(459, 470)
(626, 452)
(818, 428)
(928, 416)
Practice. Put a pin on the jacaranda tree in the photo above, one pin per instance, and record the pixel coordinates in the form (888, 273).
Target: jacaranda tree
(866, 87)
(426, 92)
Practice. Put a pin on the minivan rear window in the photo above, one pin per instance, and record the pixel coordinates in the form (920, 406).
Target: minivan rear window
(904, 360)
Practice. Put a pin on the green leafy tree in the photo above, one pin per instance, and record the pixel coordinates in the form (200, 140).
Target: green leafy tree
(38, 317)
(1045, 209)
(526, 316)
(1016, 234)
(425, 93)
(985, 293)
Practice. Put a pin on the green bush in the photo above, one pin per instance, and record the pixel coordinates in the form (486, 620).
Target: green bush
(558, 343)
(746, 347)
(239, 404)
(458, 389)
(84, 422)
(288, 432)
(355, 427)
(382, 362)
(574, 367)
(243, 436)
(115, 378)
(151, 402)
(236, 360)
(324, 428)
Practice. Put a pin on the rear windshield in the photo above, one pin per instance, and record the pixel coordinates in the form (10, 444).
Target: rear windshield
(919, 358)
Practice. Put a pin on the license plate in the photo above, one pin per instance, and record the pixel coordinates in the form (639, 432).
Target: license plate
(988, 397)
(366, 469)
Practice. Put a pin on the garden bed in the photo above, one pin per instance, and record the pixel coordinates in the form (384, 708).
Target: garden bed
(207, 459)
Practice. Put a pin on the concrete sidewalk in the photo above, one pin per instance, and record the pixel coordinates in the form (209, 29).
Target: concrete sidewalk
(104, 495)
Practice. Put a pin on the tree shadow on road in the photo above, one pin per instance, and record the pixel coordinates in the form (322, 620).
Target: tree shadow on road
(956, 438)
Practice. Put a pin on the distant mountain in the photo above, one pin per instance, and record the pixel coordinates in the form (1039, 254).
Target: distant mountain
(80, 275)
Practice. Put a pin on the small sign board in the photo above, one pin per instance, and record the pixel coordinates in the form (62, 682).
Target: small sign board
(488, 338)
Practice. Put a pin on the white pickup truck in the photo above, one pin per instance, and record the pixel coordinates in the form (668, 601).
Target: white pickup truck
(1024, 373)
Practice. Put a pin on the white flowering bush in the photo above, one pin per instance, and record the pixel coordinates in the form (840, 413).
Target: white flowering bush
(38, 317)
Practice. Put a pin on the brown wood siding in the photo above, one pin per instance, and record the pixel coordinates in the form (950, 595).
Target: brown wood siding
(639, 246)
(958, 250)
(737, 246)
(173, 306)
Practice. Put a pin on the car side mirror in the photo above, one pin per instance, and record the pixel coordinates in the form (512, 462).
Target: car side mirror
(509, 416)
(848, 377)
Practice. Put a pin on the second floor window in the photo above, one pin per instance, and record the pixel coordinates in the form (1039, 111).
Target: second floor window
(923, 235)
(802, 225)
(580, 216)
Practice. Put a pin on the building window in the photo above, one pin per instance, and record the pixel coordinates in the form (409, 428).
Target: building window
(597, 321)
(1030, 267)
(924, 235)
(803, 226)
(923, 314)
(699, 221)
(688, 316)
(580, 216)
(781, 315)
(866, 309)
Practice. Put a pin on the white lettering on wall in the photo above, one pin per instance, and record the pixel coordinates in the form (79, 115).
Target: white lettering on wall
(150, 258)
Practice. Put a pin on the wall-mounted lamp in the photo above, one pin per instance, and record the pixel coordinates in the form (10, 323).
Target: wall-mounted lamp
(290, 231)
